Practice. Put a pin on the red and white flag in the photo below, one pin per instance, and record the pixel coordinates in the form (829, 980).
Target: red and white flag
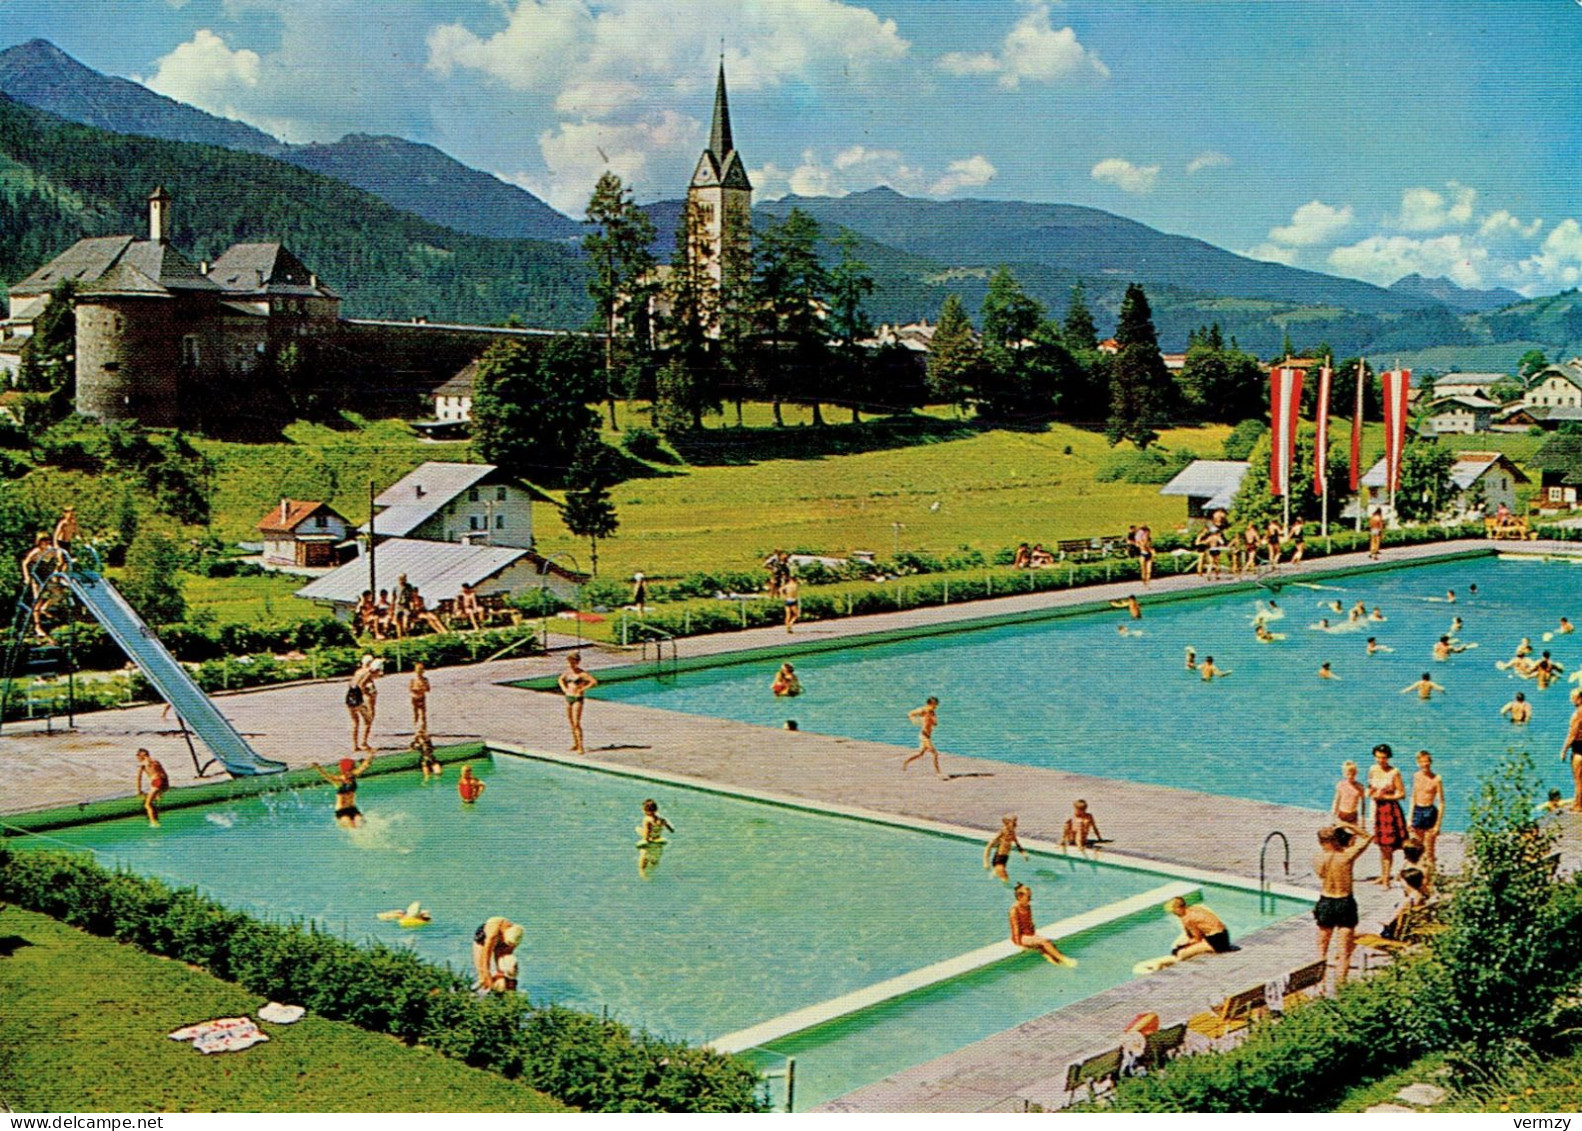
(1285, 403)
(1321, 435)
(1356, 429)
(1396, 384)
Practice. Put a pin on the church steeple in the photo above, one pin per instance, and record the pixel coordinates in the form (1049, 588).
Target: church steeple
(720, 134)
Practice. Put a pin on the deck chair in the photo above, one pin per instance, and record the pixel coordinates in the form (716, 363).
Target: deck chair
(1096, 1070)
(1303, 981)
(1415, 926)
(1232, 1015)
(1161, 1046)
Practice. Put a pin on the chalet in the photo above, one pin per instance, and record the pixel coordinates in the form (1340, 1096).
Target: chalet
(1478, 481)
(1558, 385)
(1463, 413)
(1514, 418)
(302, 533)
(1559, 466)
(1208, 484)
(456, 502)
(453, 399)
(438, 570)
(1469, 385)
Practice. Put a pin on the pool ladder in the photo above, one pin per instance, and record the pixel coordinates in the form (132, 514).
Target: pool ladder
(788, 1074)
(1263, 875)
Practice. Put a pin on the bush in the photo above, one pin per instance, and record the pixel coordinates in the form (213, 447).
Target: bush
(1242, 438)
(646, 444)
(595, 1064)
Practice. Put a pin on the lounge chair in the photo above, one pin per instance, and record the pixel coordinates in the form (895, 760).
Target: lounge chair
(1233, 1014)
(1092, 1072)
(1304, 980)
(1161, 1046)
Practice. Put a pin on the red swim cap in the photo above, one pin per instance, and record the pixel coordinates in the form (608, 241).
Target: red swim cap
(348, 765)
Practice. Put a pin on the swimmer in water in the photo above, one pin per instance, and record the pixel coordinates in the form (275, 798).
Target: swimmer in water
(1377, 614)
(997, 853)
(347, 815)
(1520, 711)
(1565, 627)
(1191, 659)
(1424, 687)
(1209, 672)
(786, 682)
(1324, 671)
(1321, 626)
(1374, 647)
(1444, 649)
(654, 826)
(1456, 625)
(1131, 605)
(1333, 606)
(1263, 634)
(1545, 671)
(1358, 612)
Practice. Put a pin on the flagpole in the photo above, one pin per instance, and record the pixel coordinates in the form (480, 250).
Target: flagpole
(1323, 479)
(1356, 446)
(1388, 470)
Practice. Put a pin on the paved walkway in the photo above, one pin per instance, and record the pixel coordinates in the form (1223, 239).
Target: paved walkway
(308, 722)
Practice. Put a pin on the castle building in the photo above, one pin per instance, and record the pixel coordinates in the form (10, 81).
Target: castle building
(156, 333)
(720, 198)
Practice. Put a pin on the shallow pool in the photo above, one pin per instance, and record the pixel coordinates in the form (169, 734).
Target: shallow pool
(753, 909)
(1073, 694)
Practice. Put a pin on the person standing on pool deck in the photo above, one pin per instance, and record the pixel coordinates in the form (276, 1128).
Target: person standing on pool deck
(1386, 789)
(1518, 709)
(419, 689)
(926, 717)
(1023, 933)
(1336, 909)
(788, 590)
(1428, 805)
(158, 783)
(1572, 748)
(997, 853)
(575, 685)
(356, 701)
(1347, 806)
(1144, 542)
(1424, 687)
(1375, 533)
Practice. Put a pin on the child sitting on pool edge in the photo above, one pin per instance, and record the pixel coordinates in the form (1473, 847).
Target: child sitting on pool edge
(1081, 830)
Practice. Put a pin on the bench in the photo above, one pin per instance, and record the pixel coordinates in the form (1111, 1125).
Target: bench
(1090, 1073)
(1233, 1014)
(1496, 529)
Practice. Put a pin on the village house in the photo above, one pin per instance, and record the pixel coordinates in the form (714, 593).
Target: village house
(1479, 482)
(1469, 385)
(302, 533)
(456, 502)
(1558, 385)
(1559, 467)
(1208, 484)
(1463, 413)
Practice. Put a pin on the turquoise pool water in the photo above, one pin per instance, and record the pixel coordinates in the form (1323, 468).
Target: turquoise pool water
(753, 910)
(1072, 694)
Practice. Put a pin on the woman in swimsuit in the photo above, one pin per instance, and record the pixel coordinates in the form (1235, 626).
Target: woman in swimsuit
(495, 938)
(786, 682)
(1348, 795)
(347, 815)
(1572, 748)
(997, 853)
(1145, 553)
(575, 685)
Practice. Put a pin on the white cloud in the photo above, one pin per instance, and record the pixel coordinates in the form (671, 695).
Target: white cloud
(1557, 264)
(1274, 253)
(1126, 176)
(972, 172)
(1425, 210)
(1209, 159)
(206, 73)
(1313, 223)
(1384, 259)
(576, 153)
(1032, 51)
(1502, 226)
(859, 155)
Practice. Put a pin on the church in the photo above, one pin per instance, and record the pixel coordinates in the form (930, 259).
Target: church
(720, 199)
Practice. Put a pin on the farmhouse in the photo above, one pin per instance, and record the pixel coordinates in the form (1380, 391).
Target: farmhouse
(302, 533)
(1463, 413)
(1478, 481)
(475, 503)
(1556, 385)
(1559, 465)
(1208, 484)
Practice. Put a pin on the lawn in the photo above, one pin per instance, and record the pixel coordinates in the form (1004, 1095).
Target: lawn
(85, 1023)
(249, 600)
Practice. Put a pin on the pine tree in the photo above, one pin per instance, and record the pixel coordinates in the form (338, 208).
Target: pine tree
(849, 286)
(1080, 332)
(622, 269)
(792, 285)
(1140, 385)
(954, 356)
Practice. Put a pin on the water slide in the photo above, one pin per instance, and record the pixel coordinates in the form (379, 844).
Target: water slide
(167, 676)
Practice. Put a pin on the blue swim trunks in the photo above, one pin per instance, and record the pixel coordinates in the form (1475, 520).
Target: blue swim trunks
(1424, 816)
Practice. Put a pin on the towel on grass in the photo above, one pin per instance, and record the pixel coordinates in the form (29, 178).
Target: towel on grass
(224, 1034)
(281, 1014)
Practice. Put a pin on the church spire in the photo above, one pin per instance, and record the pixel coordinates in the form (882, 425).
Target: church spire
(720, 134)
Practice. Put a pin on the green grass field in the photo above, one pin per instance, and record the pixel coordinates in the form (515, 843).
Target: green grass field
(84, 1029)
(248, 600)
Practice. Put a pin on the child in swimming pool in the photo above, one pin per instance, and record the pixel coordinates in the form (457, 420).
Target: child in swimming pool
(654, 826)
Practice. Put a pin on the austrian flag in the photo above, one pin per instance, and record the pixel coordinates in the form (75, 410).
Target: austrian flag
(1285, 404)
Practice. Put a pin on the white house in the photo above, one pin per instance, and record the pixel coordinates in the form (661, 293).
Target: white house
(1208, 484)
(438, 570)
(1463, 413)
(1468, 385)
(456, 502)
(302, 533)
(1479, 480)
(1558, 385)
(453, 399)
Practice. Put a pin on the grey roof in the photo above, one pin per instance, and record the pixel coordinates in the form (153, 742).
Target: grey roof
(437, 569)
(416, 497)
(1570, 370)
(1467, 470)
(1554, 411)
(1213, 478)
(1463, 399)
(265, 268)
(125, 279)
(461, 384)
(93, 263)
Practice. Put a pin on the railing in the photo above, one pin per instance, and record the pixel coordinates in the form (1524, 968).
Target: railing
(658, 640)
(1263, 879)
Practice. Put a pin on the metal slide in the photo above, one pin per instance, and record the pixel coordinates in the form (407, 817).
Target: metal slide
(167, 676)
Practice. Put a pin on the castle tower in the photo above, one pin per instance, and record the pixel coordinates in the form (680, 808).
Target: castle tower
(720, 196)
(159, 216)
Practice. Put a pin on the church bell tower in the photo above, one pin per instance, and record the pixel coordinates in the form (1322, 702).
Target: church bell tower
(720, 195)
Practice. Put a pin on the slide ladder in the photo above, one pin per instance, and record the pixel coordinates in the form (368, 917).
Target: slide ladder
(162, 671)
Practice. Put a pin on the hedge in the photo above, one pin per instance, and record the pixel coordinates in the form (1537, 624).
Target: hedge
(588, 1062)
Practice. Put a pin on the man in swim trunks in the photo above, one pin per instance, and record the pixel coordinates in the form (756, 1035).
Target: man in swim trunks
(1424, 687)
(997, 853)
(1389, 823)
(1518, 709)
(158, 782)
(1428, 804)
(1348, 795)
(575, 685)
(926, 717)
(1023, 933)
(789, 588)
(1205, 932)
(1545, 671)
(1336, 909)
(419, 689)
(1375, 533)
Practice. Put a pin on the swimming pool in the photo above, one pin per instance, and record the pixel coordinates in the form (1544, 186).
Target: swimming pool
(1072, 694)
(753, 910)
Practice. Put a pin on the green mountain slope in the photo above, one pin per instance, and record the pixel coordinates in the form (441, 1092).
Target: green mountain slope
(60, 182)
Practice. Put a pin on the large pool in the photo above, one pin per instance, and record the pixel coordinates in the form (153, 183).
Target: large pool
(1072, 694)
(754, 909)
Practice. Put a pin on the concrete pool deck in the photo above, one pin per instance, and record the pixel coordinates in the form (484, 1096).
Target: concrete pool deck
(307, 722)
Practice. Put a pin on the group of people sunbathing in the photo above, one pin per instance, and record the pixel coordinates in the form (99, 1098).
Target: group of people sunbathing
(399, 615)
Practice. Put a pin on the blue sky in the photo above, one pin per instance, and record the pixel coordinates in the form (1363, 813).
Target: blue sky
(1368, 139)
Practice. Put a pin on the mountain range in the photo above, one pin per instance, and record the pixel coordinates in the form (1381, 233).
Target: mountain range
(480, 231)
